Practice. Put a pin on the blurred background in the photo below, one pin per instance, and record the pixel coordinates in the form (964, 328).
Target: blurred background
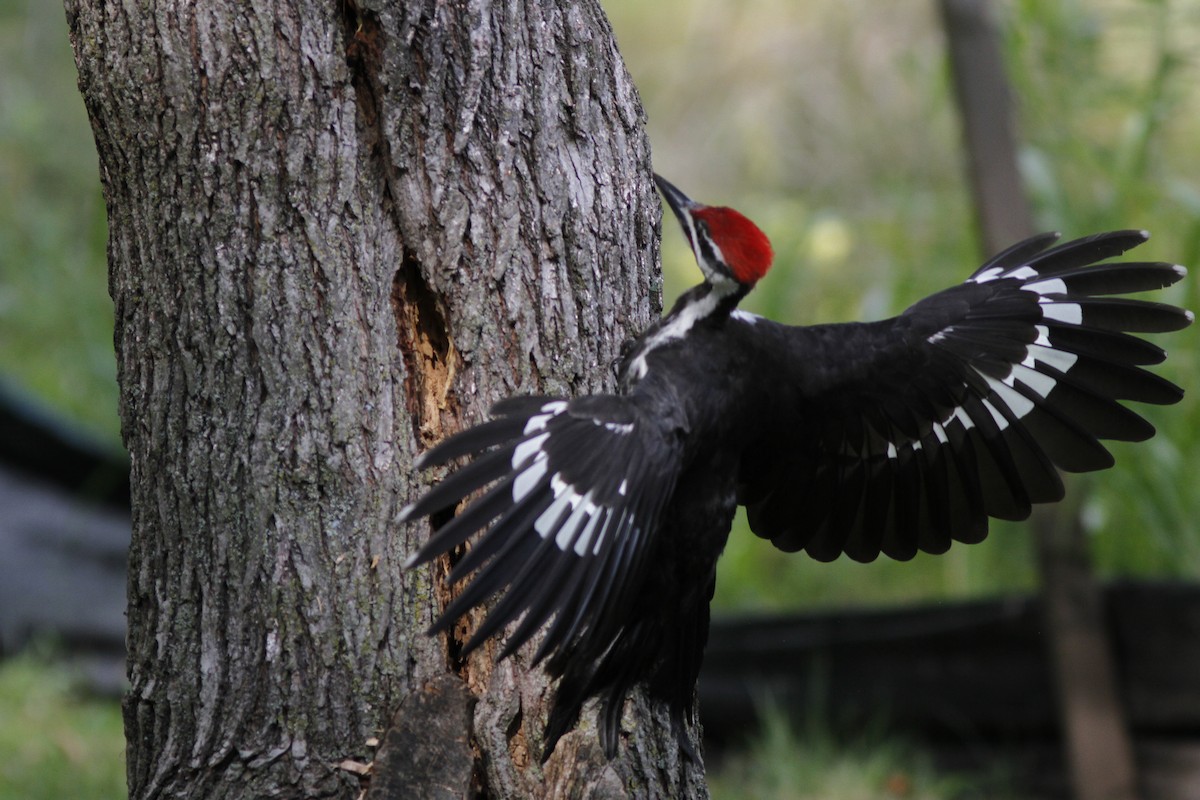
(832, 124)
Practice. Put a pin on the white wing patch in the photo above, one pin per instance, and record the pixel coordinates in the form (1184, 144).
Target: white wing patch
(988, 275)
(1017, 403)
(529, 478)
(1042, 352)
(745, 316)
(1039, 383)
(529, 448)
(538, 421)
(583, 515)
(534, 470)
(1048, 286)
(1070, 313)
(575, 520)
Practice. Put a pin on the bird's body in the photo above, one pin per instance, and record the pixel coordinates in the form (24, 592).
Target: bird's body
(604, 516)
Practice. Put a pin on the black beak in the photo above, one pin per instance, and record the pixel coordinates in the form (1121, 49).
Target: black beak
(679, 202)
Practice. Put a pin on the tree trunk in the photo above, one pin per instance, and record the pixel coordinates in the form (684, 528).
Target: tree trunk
(1098, 743)
(339, 231)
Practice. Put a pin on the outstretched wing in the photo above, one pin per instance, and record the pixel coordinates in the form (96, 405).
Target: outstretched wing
(575, 491)
(912, 431)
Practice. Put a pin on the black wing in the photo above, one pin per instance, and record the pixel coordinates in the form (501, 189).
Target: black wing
(576, 491)
(912, 431)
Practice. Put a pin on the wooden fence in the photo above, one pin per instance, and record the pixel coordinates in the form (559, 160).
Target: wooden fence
(972, 681)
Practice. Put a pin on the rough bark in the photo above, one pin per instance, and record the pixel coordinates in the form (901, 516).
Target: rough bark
(338, 231)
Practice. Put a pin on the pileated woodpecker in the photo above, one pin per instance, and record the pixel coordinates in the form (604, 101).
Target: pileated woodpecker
(603, 516)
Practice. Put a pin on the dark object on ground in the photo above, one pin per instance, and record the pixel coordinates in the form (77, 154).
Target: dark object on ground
(39, 444)
(970, 680)
(64, 535)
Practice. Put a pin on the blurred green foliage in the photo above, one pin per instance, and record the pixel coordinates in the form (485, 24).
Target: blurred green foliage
(832, 124)
(55, 314)
(53, 743)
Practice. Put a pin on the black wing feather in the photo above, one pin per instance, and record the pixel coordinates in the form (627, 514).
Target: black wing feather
(572, 490)
(914, 430)
(898, 437)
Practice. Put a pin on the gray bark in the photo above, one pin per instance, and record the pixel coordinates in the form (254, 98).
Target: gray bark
(339, 231)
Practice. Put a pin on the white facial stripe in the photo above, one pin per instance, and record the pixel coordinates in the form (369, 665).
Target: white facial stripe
(694, 239)
(678, 326)
(691, 234)
(712, 275)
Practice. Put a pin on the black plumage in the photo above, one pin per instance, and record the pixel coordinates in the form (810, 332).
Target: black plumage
(602, 517)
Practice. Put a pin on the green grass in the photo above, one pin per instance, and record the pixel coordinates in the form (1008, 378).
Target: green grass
(54, 743)
(781, 763)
